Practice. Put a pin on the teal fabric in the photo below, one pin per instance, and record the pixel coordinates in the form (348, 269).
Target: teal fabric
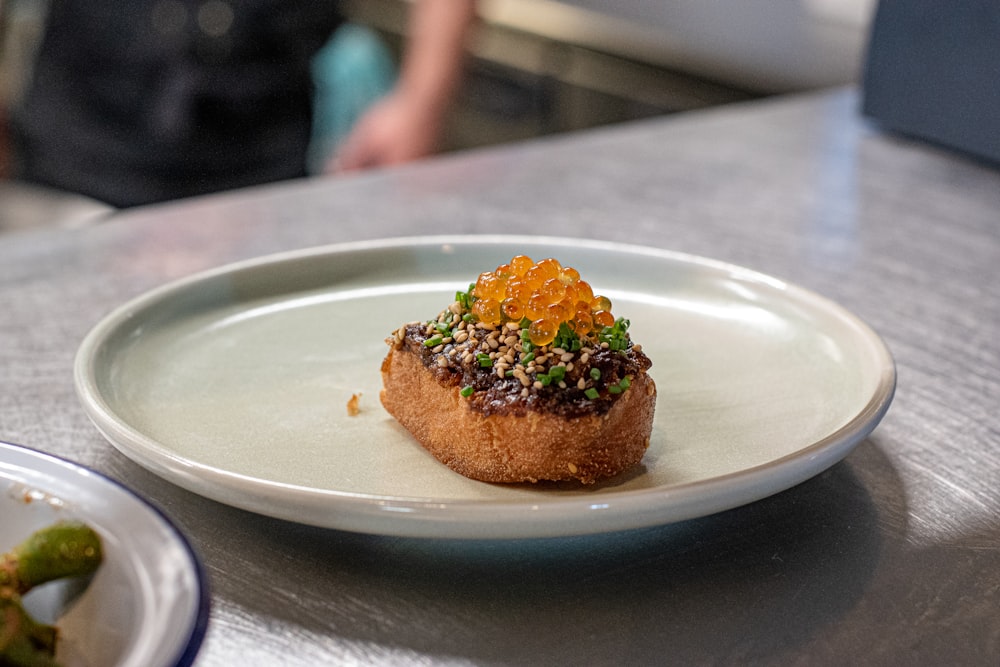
(351, 72)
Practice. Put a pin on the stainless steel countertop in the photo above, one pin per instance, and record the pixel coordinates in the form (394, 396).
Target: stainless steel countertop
(25, 205)
(890, 557)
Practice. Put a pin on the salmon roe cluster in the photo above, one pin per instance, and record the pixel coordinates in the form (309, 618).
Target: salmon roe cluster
(546, 294)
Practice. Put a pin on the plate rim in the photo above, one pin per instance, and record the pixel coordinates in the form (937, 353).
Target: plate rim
(435, 517)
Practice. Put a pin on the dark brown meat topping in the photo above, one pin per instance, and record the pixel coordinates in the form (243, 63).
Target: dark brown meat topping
(493, 395)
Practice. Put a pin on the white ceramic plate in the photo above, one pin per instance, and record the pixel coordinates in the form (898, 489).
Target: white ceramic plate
(148, 603)
(234, 384)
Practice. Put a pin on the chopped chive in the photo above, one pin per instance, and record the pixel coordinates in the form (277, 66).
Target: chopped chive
(466, 391)
(626, 382)
(546, 380)
(528, 357)
(484, 360)
(433, 341)
(615, 389)
(591, 393)
(468, 317)
(616, 335)
(595, 373)
(557, 373)
(464, 299)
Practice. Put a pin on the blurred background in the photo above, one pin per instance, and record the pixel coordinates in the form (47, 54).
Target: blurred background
(535, 67)
(540, 66)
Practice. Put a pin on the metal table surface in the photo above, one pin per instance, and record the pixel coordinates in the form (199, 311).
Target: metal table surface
(890, 557)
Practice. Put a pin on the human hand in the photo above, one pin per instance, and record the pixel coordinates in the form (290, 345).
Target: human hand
(395, 130)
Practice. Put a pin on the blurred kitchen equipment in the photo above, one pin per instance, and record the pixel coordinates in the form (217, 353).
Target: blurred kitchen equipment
(932, 72)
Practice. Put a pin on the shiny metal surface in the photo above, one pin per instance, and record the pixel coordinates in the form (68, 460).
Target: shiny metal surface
(890, 557)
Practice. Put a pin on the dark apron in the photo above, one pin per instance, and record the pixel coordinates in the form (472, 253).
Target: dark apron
(134, 102)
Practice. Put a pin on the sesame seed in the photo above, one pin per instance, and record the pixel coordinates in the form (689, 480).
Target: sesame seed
(637, 347)
(572, 468)
(536, 384)
(525, 392)
(569, 367)
(566, 356)
(581, 384)
(461, 337)
(558, 351)
(585, 357)
(442, 361)
(437, 348)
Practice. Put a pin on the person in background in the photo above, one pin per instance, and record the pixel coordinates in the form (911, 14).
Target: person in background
(139, 101)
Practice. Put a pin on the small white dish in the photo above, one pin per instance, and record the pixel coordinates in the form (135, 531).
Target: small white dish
(234, 384)
(148, 603)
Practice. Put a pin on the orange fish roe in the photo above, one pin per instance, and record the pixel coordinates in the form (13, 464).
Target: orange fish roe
(531, 329)
(547, 293)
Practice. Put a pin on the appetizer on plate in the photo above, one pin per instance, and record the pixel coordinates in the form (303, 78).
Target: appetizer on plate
(527, 376)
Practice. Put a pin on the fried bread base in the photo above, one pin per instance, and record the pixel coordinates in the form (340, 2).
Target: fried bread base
(508, 448)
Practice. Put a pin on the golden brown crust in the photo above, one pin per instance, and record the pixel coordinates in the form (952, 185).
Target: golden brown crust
(512, 448)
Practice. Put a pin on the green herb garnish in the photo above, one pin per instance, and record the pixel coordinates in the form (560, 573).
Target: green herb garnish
(622, 385)
(466, 299)
(566, 339)
(616, 336)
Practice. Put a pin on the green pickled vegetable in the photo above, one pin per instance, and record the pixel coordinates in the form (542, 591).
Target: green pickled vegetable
(65, 549)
